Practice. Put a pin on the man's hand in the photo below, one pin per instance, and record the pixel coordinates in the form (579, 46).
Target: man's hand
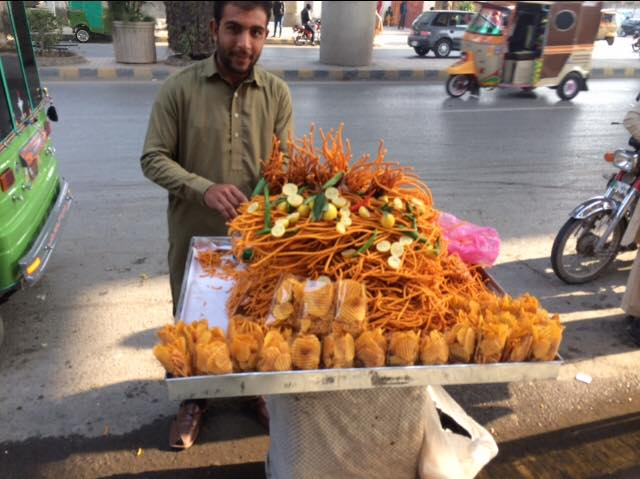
(225, 199)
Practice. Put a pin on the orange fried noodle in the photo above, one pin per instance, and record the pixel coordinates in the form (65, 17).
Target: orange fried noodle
(416, 294)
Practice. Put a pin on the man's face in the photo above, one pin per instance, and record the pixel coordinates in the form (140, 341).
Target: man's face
(240, 37)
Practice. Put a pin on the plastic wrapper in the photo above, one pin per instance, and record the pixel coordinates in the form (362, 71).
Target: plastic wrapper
(318, 307)
(433, 348)
(338, 351)
(476, 245)
(351, 307)
(305, 352)
(371, 349)
(491, 343)
(546, 340)
(287, 303)
(403, 348)
(461, 339)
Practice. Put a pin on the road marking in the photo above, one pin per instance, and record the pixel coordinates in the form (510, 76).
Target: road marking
(485, 110)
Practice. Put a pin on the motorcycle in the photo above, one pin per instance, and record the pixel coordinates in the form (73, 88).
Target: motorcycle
(591, 239)
(635, 43)
(302, 36)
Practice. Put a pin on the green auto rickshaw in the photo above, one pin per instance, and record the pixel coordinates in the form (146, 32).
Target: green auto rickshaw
(34, 199)
(88, 19)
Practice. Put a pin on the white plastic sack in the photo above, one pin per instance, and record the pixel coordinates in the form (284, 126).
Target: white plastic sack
(446, 455)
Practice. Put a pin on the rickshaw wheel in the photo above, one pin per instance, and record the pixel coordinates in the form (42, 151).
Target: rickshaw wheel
(82, 35)
(569, 86)
(458, 85)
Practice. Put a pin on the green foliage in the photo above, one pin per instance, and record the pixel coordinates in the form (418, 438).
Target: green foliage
(125, 11)
(466, 6)
(46, 29)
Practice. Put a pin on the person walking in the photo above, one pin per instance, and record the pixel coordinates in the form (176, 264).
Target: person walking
(403, 15)
(210, 127)
(278, 13)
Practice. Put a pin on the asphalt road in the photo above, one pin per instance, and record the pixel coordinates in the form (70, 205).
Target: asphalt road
(82, 394)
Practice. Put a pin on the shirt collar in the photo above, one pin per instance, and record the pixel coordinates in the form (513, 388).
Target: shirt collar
(211, 69)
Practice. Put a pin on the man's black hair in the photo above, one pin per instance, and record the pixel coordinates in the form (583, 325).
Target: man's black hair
(218, 8)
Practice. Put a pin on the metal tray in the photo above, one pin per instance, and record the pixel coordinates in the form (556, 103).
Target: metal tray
(252, 384)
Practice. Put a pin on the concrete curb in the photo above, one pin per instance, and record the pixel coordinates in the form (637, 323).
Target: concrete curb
(159, 74)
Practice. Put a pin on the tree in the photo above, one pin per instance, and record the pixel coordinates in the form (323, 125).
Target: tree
(188, 28)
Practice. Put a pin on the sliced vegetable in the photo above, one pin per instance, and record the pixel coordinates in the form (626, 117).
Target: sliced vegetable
(341, 228)
(295, 200)
(397, 250)
(293, 217)
(341, 202)
(345, 212)
(349, 253)
(282, 207)
(331, 212)
(394, 262)
(253, 207)
(332, 193)
(398, 204)
(405, 240)
(318, 206)
(387, 220)
(384, 246)
(304, 210)
(369, 242)
(346, 220)
(289, 189)
(364, 212)
(278, 230)
(333, 181)
(259, 187)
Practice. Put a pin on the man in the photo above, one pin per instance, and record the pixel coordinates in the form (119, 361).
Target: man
(631, 298)
(210, 127)
(403, 15)
(305, 17)
(278, 13)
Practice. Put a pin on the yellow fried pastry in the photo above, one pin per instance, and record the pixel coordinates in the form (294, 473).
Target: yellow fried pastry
(546, 340)
(433, 348)
(403, 348)
(338, 351)
(213, 358)
(275, 354)
(305, 352)
(244, 349)
(371, 348)
(461, 339)
(351, 312)
(490, 347)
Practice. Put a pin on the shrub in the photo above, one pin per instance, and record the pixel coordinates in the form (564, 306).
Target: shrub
(46, 29)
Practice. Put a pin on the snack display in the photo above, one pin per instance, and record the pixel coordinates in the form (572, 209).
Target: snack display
(344, 264)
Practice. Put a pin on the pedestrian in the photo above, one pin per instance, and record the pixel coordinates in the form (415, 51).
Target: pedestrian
(388, 16)
(210, 127)
(403, 15)
(631, 298)
(305, 19)
(278, 13)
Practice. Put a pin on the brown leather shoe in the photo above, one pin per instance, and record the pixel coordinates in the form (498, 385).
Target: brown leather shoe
(186, 426)
(259, 408)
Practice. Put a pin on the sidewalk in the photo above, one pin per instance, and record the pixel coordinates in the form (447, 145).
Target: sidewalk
(392, 60)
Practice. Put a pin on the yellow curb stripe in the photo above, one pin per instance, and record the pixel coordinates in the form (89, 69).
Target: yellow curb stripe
(145, 74)
(608, 72)
(70, 73)
(336, 74)
(364, 74)
(107, 73)
(305, 74)
(630, 72)
(417, 74)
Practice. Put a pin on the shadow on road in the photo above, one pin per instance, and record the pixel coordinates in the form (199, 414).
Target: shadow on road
(607, 448)
(254, 470)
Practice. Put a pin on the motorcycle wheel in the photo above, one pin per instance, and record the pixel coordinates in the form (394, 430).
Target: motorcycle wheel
(458, 85)
(298, 40)
(635, 47)
(573, 258)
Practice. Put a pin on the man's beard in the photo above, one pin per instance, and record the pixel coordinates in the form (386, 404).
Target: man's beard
(226, 59)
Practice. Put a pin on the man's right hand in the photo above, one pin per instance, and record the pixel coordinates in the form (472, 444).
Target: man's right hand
(225, 199)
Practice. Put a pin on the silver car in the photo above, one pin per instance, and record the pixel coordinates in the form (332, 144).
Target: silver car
(440, 31)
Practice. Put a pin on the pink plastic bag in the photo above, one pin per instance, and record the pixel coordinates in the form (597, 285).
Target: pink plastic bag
(474, 244)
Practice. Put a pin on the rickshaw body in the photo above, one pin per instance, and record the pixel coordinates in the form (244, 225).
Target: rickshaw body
(34, 199)
(88, 19)
(608, 29)
(527, 45)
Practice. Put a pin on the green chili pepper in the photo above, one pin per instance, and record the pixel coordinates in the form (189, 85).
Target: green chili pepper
(369, 242)
(318, 206)
(414, 235)
(267, 207)
(259, 187)
(333, 181)
(247, 255)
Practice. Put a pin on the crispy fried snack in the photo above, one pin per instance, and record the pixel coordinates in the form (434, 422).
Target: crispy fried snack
(403, 348)
(351, 311)
(276, 353)
(461, 339)
(371, 348)
(318, 298)
(546, 340)
(338, 351)
(493, 337)
(213, 358)
(305, 352)
(433, 348)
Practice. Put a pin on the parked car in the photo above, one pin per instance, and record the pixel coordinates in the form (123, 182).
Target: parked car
(440, 31)
(629, 26)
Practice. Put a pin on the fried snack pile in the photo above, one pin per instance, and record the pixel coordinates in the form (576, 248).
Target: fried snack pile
(345, 264)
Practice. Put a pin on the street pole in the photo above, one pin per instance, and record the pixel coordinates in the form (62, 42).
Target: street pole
(347, 33)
